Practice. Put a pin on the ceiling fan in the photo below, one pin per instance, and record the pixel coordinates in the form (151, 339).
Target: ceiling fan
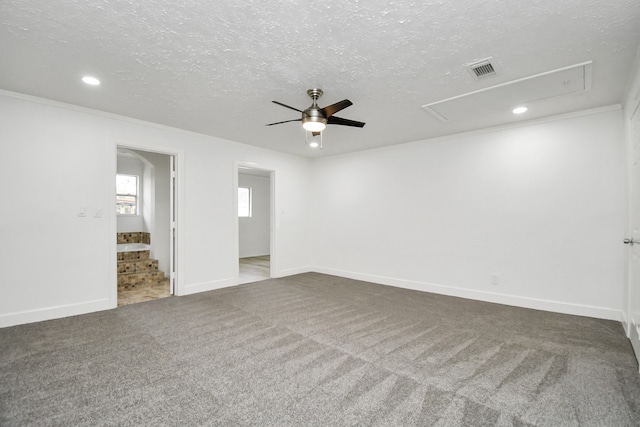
(315, 119)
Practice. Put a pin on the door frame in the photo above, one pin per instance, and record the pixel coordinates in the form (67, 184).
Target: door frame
(273, 260)
(176, 259)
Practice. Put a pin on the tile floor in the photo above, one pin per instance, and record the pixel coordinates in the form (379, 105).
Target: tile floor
(252, 269)
(136, 295)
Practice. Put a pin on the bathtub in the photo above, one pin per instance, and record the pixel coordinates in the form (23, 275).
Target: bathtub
(132, 247)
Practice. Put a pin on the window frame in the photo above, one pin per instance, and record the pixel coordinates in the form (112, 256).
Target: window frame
(249, 200)
(136, 196)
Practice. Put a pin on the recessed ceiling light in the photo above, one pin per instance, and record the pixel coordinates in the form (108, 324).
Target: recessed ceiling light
(91, 80)
(520, 110)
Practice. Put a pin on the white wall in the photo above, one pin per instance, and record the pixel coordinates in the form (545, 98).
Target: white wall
(540, 205)
(61, 158)
(255, 231)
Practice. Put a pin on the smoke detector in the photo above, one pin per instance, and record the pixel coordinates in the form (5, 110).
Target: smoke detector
(482, 69)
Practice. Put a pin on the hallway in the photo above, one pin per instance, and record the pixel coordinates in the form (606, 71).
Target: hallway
(253, 269)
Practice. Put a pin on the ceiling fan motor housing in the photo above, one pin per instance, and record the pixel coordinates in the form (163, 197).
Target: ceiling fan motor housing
(313, 115)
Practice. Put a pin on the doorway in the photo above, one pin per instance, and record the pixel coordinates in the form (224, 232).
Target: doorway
(146, 208)
(255, 219)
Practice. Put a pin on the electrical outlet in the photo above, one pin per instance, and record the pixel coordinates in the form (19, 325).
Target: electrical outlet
(494, 279)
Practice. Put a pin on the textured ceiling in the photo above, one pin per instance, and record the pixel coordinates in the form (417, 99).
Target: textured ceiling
(215, 67)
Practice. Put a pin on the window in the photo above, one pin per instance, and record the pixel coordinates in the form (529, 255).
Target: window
(126, 194)
(244, 202)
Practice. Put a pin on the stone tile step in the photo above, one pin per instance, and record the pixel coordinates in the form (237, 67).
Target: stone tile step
(139, 280)
(132, 256)
(133, 237)
(137, 266)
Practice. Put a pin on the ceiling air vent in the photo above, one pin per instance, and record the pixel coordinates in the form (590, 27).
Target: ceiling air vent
(495, 100)
(482, 69)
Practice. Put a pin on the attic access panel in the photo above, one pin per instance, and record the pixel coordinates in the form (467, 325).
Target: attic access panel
(506, 96)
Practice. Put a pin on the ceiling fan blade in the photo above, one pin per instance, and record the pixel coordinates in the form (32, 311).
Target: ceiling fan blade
(286, 121)
(330, 110)
(287, 106)
(344, 122)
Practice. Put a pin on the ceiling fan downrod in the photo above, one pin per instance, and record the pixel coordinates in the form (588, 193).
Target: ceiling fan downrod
(315, 94)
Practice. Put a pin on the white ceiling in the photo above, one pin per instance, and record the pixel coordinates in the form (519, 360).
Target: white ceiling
(214, 67)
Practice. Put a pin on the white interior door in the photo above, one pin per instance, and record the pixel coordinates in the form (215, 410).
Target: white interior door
(634, 240)
(172, 226)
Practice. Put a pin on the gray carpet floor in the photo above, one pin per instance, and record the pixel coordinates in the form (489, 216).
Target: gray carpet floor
(317, 350)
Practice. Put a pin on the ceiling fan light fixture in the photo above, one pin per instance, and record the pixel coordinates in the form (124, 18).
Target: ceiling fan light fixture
(91, 81)
(313, 126)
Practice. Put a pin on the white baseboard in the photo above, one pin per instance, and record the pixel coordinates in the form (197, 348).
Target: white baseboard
(506, 299)
(49, 313)
(293, 271)
(634, 337)
(195, 288)
(625, 323)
